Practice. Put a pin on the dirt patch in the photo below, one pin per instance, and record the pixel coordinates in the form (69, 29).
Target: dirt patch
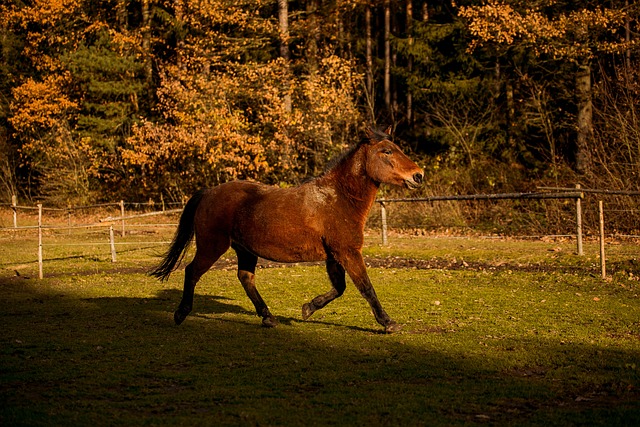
(437, 263)
(391, 262)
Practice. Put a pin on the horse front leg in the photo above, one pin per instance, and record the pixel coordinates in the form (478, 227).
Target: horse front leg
(357, 270)
(337, 276)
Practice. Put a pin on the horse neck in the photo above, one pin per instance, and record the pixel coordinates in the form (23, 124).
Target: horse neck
(350, 179)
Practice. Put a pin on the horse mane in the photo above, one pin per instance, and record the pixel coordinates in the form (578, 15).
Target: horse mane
(372, 135)
(339, 158)
(375, 135)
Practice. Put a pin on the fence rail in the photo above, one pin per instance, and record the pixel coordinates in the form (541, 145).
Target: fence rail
(577, 195)
(500, 196)
(121, 204)
(121, 218)
(594, 191)
(571, 195)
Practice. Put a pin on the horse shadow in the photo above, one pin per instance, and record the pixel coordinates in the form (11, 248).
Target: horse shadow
(206, 303)
(213, 306)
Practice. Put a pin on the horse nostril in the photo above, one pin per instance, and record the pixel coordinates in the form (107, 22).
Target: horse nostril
(418, 178)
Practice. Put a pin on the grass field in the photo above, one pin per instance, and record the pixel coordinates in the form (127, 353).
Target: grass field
(498, 332)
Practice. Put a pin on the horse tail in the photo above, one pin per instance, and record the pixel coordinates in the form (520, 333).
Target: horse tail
(181, 240)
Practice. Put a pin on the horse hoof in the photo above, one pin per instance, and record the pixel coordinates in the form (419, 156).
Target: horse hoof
(307, 311)
(179, 316)
(392, 327)
(269, 322)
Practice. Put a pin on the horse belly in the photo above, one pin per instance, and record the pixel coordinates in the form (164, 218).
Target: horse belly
(287, 244)
(283, 225)
(282, 236)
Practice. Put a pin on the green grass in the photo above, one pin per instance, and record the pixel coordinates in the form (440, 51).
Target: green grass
(508, 333)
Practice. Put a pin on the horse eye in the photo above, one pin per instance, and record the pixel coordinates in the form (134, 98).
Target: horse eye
(387, 151)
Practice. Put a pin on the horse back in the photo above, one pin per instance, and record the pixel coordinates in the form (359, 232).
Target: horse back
(280, 224)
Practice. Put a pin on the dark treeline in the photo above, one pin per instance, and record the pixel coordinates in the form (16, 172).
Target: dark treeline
(137, 99)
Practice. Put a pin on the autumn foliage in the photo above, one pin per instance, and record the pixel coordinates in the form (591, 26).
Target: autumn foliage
(140, 99)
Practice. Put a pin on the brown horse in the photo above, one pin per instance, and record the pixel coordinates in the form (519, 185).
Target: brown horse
(320, 220)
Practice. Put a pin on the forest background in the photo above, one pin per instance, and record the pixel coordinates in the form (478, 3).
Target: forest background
(137, 99)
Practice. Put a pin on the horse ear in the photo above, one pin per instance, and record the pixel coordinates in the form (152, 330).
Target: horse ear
(370, 136)
(388, 130)
(374, 135)
(370, 133)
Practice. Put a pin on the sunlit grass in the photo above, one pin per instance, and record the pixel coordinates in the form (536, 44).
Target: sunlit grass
(493, 341)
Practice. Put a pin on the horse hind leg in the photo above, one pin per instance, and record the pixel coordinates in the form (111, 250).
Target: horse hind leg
(337, 276)
(204, 258)
(246, 274)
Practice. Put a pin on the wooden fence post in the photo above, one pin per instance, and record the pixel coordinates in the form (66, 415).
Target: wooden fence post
(69, 217)
(14, 206)
(112, 243)
(40, 275)
(579, 222)
(383, 216)
(603, 267)
(122, 215)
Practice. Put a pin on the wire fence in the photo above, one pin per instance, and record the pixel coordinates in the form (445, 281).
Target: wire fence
(92, 223)
(579, 215)
(566, 213)
(523, 215)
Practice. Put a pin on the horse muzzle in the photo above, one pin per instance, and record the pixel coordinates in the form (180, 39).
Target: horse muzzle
(415, 181)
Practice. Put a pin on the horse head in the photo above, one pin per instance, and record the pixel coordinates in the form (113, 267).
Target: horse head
(386, 163)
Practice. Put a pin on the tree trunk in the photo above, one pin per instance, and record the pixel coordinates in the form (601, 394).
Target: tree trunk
(313, 36)
(585, 122)
(369, 63)
(510, 114)
(179, 12)
(146, 41)
(387, 55)
(409, 61)
(341, 35)
(627, 38)
(121, 13)
(283, 22)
